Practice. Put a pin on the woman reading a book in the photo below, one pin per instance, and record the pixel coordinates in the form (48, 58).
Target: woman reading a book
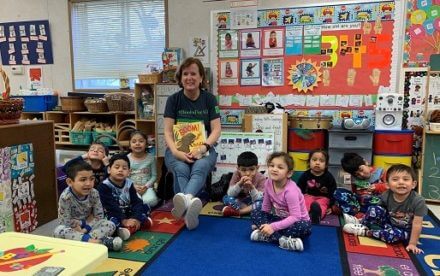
(190, 110)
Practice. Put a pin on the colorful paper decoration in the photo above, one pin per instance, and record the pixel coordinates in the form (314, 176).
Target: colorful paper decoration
(304, 75)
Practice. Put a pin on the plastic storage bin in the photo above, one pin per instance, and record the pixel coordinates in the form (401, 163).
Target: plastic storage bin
(383, 161)
(81, 137)
(393, 142)
(300, 160)
(38, 103)
(306, 140)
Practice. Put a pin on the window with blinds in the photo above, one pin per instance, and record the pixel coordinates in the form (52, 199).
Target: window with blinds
(115, 38)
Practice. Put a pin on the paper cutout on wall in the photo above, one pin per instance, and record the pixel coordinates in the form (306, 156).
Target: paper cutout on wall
(304, 75)
(6, 216)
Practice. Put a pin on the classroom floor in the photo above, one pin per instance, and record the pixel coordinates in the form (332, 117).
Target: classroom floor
(47, 229)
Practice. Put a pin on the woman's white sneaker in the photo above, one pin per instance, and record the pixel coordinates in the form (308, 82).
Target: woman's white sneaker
(180, 202)
(192, 213)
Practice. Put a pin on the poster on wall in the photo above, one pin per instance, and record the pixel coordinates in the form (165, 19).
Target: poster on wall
(250, 72)
(422, 33)
(228, 44)
(350, 47)
(198, 47)
(26, 42)
(6, 214)
(250, 43)
(22, 188)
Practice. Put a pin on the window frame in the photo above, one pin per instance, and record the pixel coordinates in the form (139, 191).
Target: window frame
(72, 65)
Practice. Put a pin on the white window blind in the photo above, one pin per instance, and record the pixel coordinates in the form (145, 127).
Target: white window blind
(114, 38)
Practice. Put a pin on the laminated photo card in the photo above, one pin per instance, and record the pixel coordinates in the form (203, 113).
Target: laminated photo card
(273, 72)
(229, 72)
(250, 43)
(227, 44)
(250, 71)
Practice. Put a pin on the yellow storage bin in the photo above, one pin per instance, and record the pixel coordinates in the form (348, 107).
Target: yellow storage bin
(386, 161)
(300, 160)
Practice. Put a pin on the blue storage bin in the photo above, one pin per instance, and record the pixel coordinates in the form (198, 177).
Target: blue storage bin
(38, 103)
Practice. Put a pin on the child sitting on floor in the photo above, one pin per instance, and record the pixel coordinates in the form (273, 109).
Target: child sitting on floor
(400, 214)
(143, 169)
(283, 218)
(318, 185)
(120, 200)
(367, 185)
(245, 188)
(80, 211)
(97, 157)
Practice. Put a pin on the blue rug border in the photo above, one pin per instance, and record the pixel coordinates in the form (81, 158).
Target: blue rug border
(413, 257)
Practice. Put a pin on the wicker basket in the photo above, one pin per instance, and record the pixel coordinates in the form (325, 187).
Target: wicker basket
(72, 104)
(10, 109)
(150, 78)
(117, 101)
(96, 105)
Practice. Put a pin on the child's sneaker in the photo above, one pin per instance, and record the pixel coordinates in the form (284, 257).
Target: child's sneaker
(315, 212)
(228, 211)
(289, 243)
(192, 213)
(124, 233)
(351, 219)
(355, 229)
(148, 223)
(113, 244)
(180, 202)
(256, 235)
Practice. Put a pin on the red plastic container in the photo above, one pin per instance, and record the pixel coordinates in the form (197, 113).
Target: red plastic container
(393, 142)
(306, 139)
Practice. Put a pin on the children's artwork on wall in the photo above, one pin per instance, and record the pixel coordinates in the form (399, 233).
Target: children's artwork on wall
(199, 48)
(26, 42)
(18, 211)
(22, 186)
(422, 33)
(273, 42)
(6, 214)
(243, 18)
(223, 21)
(250, 72)
(273, 72)
(269, 123)
(228, 44)
(231, 117)
(250, 43)
(229, 72)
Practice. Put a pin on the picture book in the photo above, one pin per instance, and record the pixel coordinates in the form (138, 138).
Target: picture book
(189, 136)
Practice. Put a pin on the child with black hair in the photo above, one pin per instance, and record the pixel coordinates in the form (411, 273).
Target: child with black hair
(318, 185)
(367, 183)
(97, 157)
(143, 170)
(120, 200)
(283, 218)
(245, 188)
(399, 215)
(80, 211)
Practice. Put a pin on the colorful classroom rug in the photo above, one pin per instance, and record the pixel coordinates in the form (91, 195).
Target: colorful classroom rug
(222, 245)
(215, 209)
(430, 243)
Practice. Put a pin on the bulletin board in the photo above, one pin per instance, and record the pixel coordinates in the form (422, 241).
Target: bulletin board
(340, 54)
(422, 32)
(26, 42)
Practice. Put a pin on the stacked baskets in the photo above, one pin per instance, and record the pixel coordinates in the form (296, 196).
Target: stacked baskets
(10, 109)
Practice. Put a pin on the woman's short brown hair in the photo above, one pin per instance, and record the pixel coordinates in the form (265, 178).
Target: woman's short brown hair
(187, 63)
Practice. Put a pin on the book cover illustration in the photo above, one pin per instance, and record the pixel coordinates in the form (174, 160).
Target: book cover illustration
(189, 136)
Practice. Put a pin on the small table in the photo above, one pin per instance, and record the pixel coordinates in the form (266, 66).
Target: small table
(27, 254)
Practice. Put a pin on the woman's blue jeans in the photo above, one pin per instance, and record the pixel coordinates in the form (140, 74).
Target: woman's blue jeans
(190, 178)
